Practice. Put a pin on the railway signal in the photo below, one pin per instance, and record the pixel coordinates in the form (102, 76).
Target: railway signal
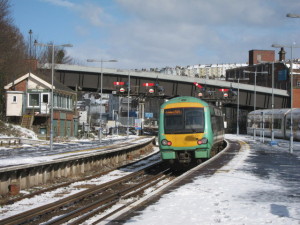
(200, 89)
(225, 92)
(150, 88)
(148, 84)
(119, 86)
(119, 83)
(198, 85)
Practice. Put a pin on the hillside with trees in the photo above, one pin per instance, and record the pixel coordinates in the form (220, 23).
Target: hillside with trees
(12, 51)
(15, 53)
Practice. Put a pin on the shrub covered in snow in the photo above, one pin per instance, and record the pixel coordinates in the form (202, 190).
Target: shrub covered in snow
(9, 130)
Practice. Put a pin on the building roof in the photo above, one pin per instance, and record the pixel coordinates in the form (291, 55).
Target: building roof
(45, 80)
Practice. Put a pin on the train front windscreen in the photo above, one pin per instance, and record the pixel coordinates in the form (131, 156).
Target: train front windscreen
(184, 120)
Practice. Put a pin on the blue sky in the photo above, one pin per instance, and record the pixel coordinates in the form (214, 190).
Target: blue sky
(159, 33)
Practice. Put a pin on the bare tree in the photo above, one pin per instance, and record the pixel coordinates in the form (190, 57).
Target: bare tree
(12, 50)
(44, 55)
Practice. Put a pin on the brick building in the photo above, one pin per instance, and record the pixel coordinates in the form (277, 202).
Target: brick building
(257, 56)
(28, 102)
(264, 61)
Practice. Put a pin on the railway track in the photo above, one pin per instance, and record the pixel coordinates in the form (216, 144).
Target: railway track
(87, 203)
(103, 201)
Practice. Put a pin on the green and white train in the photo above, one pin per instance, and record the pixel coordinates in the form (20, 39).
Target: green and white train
(190, 130)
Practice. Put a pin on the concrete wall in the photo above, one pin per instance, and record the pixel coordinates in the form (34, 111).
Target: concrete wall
(32, 175)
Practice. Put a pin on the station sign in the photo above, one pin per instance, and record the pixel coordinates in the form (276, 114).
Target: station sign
(149, 115)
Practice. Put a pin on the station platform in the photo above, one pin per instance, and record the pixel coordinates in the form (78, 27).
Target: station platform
(260, 185)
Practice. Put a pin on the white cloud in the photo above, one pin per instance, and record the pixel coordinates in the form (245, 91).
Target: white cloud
(81, 30)
(213, 12)
(182, 32)
(63, 3)
(93, 13)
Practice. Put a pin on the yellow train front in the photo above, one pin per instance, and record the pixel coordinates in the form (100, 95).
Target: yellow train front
(190, 130)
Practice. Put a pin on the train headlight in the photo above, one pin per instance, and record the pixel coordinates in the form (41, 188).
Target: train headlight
(166, 142)
(202, 141)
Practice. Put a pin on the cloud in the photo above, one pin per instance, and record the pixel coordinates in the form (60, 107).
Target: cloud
(93, 13)
(159, 33)
(213, 12)
(199, 31)
(81, 30)
(63, 3)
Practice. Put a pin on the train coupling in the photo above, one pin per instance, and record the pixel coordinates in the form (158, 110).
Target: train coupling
(184, 157)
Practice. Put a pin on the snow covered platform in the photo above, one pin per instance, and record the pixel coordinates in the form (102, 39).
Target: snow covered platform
(69, 163)
(260, 185)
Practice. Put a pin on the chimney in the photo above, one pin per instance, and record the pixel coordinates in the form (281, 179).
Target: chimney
(281, 54)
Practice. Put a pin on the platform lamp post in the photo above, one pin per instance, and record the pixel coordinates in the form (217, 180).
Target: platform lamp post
(52, 77)
(254, 104)
(291, 78)
(238, 104)
(272, 104)
(101, 89)
(128, 104)
(290, 15)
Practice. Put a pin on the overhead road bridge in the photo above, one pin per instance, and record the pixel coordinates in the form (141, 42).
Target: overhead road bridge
(88, 79)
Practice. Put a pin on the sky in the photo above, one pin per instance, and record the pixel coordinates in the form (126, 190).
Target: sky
(159, 33)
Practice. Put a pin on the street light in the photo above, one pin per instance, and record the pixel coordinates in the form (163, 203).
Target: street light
(238, 105)
(272, 105)
(101, 90)
(254, 104)
(291, 78)
(291, 15)
(291, 136)
(128, 105)
(52, 75)
(255, 73)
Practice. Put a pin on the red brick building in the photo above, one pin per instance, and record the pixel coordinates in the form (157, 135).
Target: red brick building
(257, 56)
(28, 101)
(263, 60)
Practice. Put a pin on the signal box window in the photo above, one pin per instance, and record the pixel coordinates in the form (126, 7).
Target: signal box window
(34, 100)
(45, 99)
(14, 99)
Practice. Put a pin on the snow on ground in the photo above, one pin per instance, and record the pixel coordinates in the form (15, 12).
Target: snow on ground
(25, 133)
(55, 195)
(234, 195)
(38, 153)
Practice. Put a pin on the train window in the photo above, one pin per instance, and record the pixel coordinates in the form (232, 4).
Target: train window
(214, 123)
(194, 120)
(217, 123)
(250, 123)
(184, 120)
(173, 123)
(277, 123)
(267, 124)
(220, 122)
(288, 124)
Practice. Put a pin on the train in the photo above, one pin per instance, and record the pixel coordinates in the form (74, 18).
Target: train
(190, 130)
(261, 120)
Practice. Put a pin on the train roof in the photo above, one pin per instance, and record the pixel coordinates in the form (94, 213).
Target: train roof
(185, 99)
(274, 111)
